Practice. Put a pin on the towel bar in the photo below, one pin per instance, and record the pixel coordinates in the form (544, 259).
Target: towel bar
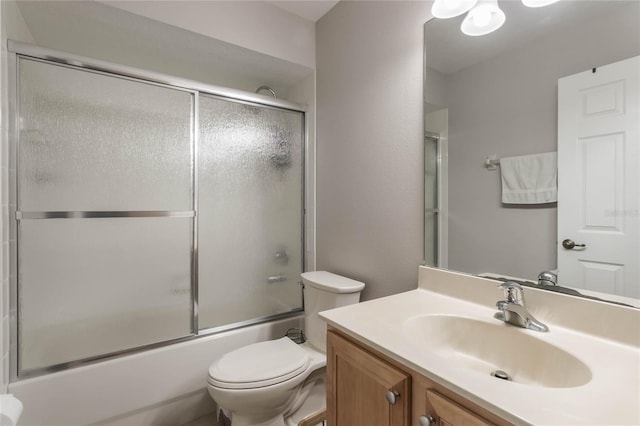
(491, 162)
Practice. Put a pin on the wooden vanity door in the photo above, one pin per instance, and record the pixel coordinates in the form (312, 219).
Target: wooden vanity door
(449, 413)
(357, 386)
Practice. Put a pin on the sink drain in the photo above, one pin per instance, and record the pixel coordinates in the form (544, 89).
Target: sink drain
(502, 375)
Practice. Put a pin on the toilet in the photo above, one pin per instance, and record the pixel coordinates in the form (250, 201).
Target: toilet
(277, 382)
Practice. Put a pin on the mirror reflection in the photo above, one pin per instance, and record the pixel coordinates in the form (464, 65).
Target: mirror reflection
(537, 85)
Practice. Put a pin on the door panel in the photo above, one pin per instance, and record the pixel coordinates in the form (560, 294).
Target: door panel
(599, 178)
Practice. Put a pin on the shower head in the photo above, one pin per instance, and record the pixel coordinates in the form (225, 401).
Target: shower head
(268, 89)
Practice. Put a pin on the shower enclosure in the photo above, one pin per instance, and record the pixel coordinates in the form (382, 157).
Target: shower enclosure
(149, 210)
(432, 211)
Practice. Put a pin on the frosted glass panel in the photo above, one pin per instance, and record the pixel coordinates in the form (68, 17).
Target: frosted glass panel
(250, 211)
(430, 173)
(94, 142)
(91, 287)
(431, 201)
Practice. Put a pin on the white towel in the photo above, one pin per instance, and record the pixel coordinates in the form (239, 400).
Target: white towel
(530, 179)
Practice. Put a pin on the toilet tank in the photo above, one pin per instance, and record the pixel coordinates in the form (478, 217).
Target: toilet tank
(322, 291)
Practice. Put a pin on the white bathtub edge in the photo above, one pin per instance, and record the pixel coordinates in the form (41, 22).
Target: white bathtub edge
(129, 385)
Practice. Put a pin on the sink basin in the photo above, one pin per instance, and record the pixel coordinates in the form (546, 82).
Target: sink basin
(484, 347)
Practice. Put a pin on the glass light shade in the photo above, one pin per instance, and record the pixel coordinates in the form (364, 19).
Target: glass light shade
(484, 18)
(538, 3)
(444, 9)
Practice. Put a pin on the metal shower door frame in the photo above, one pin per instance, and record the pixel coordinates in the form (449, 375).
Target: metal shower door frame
(18, 50)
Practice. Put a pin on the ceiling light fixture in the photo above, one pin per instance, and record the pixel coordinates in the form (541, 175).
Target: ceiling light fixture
(445, 9)
(483, 18)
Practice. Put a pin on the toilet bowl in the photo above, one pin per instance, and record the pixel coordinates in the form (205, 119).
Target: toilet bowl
(273, 383)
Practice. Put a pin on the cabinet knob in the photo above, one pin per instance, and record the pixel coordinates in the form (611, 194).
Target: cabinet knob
(392, 396)
(427, 421)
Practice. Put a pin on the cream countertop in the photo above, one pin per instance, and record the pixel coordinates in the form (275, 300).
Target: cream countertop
(603, 336)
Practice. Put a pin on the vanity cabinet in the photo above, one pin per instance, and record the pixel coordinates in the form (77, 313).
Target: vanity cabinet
(365, 387)
(362, 389)
(448, 413)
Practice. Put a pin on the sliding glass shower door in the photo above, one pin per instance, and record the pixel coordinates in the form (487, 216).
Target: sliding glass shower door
(105, 211)
(147, 213)
(250, 211)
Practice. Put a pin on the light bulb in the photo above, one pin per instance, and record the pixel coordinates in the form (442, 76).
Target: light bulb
(483, 18)
(452, 4)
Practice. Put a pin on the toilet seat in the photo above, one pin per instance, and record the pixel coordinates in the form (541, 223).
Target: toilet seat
(259, 364)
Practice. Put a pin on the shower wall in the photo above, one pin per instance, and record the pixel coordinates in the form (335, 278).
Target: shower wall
(165, 210)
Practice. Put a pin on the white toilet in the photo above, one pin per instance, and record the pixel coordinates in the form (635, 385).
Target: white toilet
(274, 383)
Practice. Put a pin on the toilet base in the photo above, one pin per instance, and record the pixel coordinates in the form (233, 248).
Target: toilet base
(314, 400)
(237, 420)
(223, 420)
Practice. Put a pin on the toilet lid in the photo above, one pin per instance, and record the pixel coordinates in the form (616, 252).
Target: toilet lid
(259, 364)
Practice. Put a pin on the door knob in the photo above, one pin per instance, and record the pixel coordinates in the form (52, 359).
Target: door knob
(392, 396)
(570, 244)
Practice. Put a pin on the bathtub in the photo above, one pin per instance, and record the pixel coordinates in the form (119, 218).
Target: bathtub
(164, 386)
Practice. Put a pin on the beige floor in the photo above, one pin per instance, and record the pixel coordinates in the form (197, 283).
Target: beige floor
(208, 420)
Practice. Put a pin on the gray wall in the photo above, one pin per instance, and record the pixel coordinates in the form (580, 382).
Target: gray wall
(369, 60)
(96, 30)
(508, 106)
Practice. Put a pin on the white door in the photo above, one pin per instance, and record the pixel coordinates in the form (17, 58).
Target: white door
(599, 179)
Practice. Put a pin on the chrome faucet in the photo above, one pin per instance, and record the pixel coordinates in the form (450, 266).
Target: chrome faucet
(512, 309)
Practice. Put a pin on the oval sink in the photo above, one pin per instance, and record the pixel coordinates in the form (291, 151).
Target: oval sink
(484, 347)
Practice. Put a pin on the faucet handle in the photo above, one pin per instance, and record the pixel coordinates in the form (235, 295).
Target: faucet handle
(513, 292)
(547, 278)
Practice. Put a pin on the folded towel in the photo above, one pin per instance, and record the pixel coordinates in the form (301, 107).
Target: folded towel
(530, 179)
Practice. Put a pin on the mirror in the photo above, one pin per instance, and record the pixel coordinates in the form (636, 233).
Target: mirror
(498, 95)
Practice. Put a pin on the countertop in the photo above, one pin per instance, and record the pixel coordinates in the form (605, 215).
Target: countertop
(611, 397)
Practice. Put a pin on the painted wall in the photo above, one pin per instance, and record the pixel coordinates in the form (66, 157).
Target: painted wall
(508, 106)
(435, 89)
(369, 60)
(255, 25)
(99, 31)
(301, 93)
